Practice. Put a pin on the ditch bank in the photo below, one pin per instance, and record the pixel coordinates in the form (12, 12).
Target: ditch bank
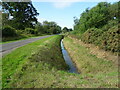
(97, 71)
(72, 67)
(41, 59)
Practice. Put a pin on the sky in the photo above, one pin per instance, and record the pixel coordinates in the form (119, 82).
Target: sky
(62, 12)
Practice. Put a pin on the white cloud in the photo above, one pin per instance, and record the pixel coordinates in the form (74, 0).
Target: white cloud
(75, 0)
(60, 0)
(61, 4)
(67, 3)
(41, 19)
(64, 3)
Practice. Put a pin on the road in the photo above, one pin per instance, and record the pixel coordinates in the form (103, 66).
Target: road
(8, 47)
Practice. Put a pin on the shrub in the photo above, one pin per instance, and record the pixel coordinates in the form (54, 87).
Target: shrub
(109, 25)
(110, 39)
(92, 36)
(8, 31)
(19, 32)
(107, 40)
(36, 31)
(29, 31)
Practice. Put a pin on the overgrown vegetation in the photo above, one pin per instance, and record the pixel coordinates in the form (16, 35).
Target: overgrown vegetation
(106, 40)
(19, 21)
(96, 72)
(33, 60)
(33, 69)
(8, 31)
(41, 65)
(99, 26)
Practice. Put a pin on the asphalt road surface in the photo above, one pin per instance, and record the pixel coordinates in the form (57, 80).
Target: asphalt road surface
(8, 47)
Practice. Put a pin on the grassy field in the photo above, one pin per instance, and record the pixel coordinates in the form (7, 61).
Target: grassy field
(41, 65)
(98, 72)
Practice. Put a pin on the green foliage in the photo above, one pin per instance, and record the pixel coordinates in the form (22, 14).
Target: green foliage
(48, 28)
(99, 26)
(23, 13)
(0, 21)
(19, 32)
(109, 25)
(92, 36)
(114, 10)
(34, 60)
(95, 72)
(97, 16)
(5, 17)
(65, 29)
(30, 31)
(8, 31)
(39, 28)
(32, 69)
(22, 17)
(108, 40)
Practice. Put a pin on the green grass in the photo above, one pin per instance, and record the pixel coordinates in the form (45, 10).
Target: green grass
(15, 61)
(13, 39)
(98, 72)
(41, 65)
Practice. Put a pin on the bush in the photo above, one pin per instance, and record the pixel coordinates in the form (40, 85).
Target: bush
(107, 40)
(19, 32)
(30, 31)
(92, 36)
(110, 39)
(109, 25)
(8, 31)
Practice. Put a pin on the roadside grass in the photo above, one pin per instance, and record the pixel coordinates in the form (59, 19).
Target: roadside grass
(41, 65)
(14, 62)
(98, 71)
(13, 39)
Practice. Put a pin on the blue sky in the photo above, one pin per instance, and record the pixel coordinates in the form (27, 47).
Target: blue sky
(61, 12)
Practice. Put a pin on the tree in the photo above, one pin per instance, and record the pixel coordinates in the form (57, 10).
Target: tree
(5, 19)
(96, 17)
(70, 29)
(49, 27)
(23, 13)
(0, 22)
(39, 28)
(65, 29)
(113, 10)
(46, 26)
(0, 17)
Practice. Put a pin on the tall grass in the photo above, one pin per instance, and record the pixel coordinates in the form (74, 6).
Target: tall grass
(99, 72)
(23, 59)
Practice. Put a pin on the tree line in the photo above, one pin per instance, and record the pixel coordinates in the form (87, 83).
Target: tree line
(97, 16)
(100, 26)
(20, 19)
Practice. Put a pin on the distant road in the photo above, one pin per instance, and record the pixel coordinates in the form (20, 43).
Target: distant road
(8, 47)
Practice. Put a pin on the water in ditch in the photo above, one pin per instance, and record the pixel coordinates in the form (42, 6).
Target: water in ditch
(72, 68)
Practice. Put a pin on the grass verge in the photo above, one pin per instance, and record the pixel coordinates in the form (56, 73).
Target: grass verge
(98, 72)
(33, 57)
(13, 39)
(42, 66)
